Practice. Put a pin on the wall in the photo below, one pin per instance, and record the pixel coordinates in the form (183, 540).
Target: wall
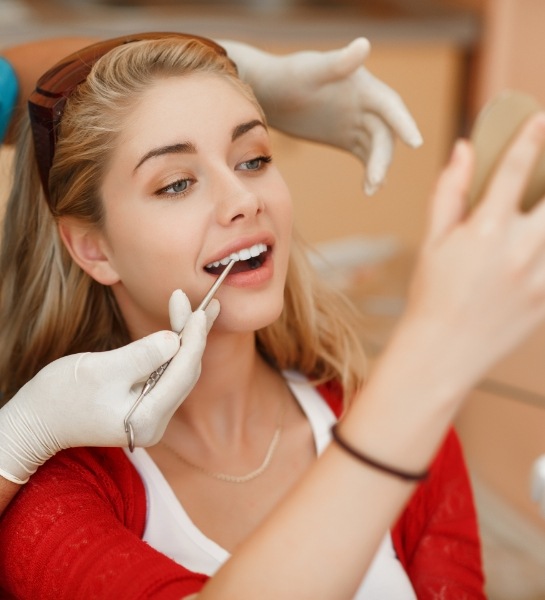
(327, 184)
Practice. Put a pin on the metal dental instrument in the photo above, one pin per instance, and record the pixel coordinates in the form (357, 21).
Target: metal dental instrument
(156, 375)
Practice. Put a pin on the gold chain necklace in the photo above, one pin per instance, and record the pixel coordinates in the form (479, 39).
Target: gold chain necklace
(238, 478)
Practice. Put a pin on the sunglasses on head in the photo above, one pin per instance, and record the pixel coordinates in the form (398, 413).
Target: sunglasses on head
(46, 103)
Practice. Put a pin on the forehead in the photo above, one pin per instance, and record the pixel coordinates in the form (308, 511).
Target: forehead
(187, 106)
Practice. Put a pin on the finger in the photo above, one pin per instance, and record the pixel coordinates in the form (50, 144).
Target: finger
(333, 65)
(194, 333)
(134, 361)
(360, 149)
(212, 311)
(179, 309)
(535, 222)
(177, 381)
(351, 57)
(389, 105)
(187, 361)
(381, 154)
(448, 203)
(510, 179)
(361, 146)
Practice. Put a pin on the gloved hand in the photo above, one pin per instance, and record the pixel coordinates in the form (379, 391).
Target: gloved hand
(330, 97)
(82, 400)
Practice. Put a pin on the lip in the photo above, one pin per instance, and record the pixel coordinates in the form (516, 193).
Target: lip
(240, 244)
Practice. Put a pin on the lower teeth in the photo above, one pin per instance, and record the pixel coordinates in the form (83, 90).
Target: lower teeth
(253, 263)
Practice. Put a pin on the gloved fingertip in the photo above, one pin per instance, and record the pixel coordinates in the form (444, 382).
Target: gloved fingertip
(375, 178)
(342, 62)
(370, 188)
(415, 140)
(177, 294)
(408, 131)
(361, 43)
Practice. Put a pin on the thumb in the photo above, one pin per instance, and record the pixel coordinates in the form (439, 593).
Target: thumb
(338, 64)
(138, 359)
(449, 200)
(185, 366)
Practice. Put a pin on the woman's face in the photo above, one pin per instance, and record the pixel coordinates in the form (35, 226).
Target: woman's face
(190, 184)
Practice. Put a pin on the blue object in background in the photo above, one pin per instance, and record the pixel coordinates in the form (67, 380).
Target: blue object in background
(9, 88)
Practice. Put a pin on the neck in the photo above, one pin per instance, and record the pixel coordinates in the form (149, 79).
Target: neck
(236, 391)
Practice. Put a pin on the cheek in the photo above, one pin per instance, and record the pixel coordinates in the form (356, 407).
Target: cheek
(154, 256)
(284, 215)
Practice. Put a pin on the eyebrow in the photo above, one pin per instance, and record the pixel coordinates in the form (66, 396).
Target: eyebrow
(189, 148)
(182, 148)
(243, 128)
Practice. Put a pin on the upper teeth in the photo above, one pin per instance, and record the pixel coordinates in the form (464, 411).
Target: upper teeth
(243, 254)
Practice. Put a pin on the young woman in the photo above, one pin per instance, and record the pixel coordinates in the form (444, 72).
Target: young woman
(367, 117)
(160, 170)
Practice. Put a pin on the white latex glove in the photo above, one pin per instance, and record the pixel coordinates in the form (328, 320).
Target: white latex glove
(82, 399)
(330, 97)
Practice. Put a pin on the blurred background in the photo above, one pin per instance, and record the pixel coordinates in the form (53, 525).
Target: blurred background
(446, 58)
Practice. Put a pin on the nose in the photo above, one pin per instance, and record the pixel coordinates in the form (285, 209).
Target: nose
(236, 200)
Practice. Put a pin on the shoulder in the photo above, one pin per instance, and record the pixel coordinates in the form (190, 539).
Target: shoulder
(437, 536)
(448, 477)
(446, 494)
(81, 475)
(83, 515)
(332, 393)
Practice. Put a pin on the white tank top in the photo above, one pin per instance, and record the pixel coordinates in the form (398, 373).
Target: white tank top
(170, 530)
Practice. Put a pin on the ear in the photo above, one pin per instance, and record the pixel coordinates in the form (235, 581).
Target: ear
(88, 249)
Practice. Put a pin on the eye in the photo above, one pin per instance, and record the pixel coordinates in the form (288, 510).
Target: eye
(180, 186)
(255, 164)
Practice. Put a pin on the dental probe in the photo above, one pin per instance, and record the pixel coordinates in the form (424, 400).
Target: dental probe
(206, 300)
(156, 375)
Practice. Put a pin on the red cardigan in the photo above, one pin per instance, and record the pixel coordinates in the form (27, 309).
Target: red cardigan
(74, 532)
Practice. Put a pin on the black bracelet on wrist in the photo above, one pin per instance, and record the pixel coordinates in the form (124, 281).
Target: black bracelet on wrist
(374, 463)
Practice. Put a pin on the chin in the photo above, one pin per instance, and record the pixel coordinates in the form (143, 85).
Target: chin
(248, 318)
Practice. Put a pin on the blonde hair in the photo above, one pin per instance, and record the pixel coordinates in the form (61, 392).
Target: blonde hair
(49, 307)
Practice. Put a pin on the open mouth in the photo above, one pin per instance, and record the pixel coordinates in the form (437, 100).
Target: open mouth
(247, 259)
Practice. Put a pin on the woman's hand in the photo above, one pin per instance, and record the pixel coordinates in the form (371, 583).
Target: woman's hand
(479, 286)
(330, 97)
(82, 400)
